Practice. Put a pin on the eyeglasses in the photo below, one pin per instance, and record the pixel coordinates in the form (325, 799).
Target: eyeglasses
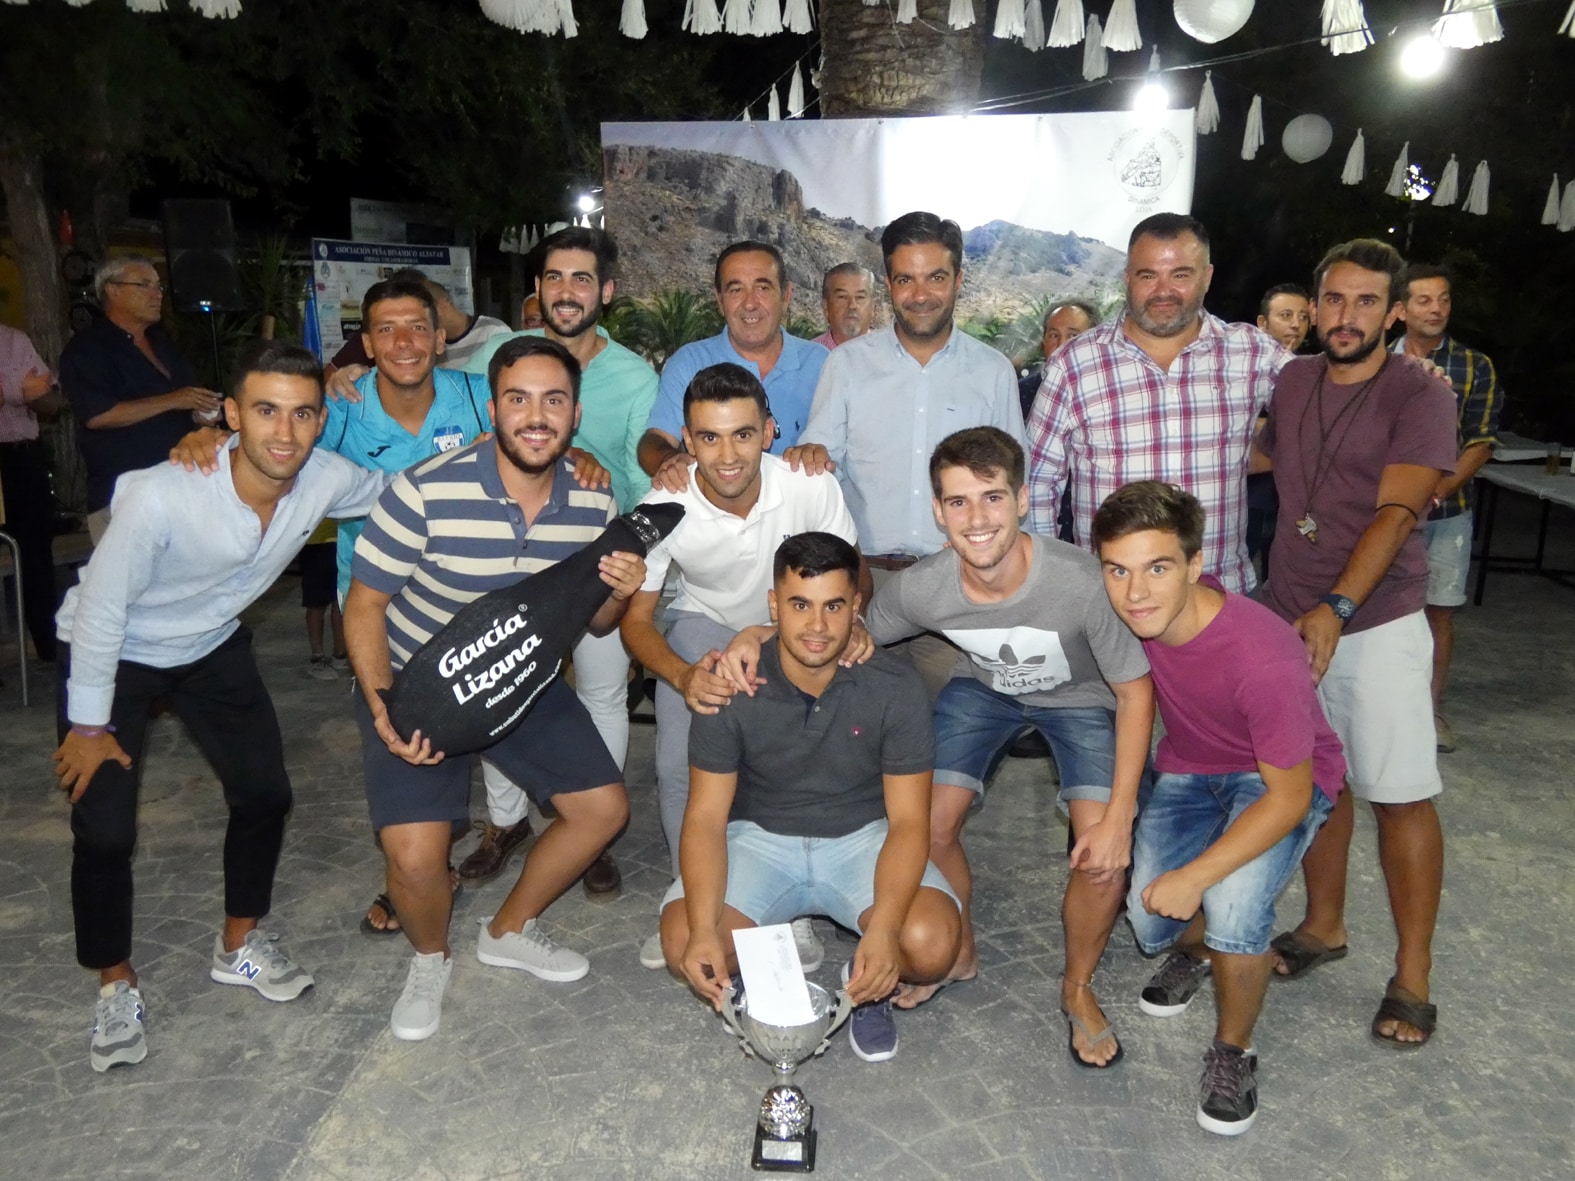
(146, 284)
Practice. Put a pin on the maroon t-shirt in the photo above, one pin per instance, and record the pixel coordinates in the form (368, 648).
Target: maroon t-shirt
(1239, 693)
(1407, 417)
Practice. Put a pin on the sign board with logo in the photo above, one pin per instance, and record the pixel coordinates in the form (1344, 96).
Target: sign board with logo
(342, 271)
(1045, 202)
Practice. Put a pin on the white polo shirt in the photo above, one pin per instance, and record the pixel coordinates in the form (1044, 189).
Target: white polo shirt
(723, 562)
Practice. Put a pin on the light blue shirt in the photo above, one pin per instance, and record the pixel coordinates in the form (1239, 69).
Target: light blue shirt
(368, 436)
(881, 415)
(790, 386)
(182, 557)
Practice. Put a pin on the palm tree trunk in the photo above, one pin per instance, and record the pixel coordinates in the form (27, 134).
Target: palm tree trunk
(871, 65)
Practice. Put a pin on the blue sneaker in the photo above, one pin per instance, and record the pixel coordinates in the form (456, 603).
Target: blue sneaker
(872, 1030)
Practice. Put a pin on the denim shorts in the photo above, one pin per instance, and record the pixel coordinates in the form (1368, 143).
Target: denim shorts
(975, 725)
(1185, 815)
(774, 879)
(1448, 544)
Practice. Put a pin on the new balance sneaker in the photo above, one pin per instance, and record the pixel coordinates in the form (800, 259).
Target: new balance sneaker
(530, 951)
(651, 952)
(1171, 989)
(1228, 1094)
(811, 951)
(118, 1039)
(258, 963)
(872, 1029)
(419, 1009)
(319, 669)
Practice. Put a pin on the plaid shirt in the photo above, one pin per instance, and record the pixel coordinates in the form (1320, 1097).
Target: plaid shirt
(1477, 398)
(1108, 415)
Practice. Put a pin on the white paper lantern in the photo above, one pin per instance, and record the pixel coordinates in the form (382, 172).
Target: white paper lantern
(1212, 20)
(1307, 137)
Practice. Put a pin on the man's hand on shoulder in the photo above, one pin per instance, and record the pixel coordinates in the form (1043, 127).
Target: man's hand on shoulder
(587, 470)
(704, 687)
(672, 475)
(740, 660)
(341, 383)
(199, 449)
(812, 457)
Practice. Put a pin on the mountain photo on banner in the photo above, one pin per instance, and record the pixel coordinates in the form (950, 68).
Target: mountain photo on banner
(1045, 202)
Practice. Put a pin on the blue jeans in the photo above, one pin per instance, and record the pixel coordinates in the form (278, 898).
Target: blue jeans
(773, 878)
(975, 725)
(1186, 814)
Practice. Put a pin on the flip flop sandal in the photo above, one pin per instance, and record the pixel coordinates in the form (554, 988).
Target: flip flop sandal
(387, 907)
(1400, 1005)
(939, 988)
(1301, 953)
(383, 902)
(1075, 1026)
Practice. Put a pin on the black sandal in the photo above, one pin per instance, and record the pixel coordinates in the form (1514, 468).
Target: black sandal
(1400, 1005)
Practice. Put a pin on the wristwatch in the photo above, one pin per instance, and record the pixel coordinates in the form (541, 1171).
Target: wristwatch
(1342, 607)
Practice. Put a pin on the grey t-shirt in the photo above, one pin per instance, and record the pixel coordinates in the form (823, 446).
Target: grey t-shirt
(1055, 643)
(815, 767)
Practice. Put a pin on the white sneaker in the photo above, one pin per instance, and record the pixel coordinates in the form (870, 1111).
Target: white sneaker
(811, 951)
(419, 1008)
(651, 953)
(258, 963)
(530, 951)
(117, 1028)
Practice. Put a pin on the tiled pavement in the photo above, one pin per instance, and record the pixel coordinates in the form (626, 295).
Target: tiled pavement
(624, 1075)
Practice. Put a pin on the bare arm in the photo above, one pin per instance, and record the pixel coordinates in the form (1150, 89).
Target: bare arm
(702, 861)
(898, 871)
(1404, 491)
(1262, 825)
(704, 689)
(1105, 850)
(1466, 469)
(135, 410)
(366, 638)
(623, 572)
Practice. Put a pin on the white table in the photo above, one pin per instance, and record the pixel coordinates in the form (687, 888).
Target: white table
(1513, 448)
(1527, 480)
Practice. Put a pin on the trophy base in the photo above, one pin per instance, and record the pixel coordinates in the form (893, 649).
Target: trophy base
(795, 1154)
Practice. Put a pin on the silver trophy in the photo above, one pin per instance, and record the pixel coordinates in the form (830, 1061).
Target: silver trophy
(785, 1133)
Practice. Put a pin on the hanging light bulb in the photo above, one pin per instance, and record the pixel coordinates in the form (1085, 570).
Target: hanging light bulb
(1422, 57)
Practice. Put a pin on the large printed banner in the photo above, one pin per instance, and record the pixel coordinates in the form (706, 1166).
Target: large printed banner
(342, 271)
(1046, 202)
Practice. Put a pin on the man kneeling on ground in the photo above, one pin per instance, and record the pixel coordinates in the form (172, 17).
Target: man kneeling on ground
(813, 797)
(1248, 771)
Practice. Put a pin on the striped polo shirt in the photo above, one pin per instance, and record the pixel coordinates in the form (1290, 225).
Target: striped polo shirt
(446, 532)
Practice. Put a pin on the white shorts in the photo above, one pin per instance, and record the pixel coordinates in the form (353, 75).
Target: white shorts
(1378, 696)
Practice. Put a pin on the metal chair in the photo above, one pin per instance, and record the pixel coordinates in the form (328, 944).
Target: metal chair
(16, 578)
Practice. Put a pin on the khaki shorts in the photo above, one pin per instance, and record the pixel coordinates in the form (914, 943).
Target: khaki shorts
(1378, 697)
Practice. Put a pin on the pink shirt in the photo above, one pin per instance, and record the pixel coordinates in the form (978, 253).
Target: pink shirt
(1239, 693)
(1108, 415)
(18, 358)
(827, 339)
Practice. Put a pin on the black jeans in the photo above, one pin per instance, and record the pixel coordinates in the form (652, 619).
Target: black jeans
(29, 511)
(225, 706)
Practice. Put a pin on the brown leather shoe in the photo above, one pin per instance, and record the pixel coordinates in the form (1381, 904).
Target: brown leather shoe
(602, 879)
(496, 847)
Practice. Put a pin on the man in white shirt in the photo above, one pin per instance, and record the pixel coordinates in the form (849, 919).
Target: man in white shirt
(739, 505)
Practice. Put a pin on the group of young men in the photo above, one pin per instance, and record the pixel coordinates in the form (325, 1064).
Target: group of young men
(849, 629)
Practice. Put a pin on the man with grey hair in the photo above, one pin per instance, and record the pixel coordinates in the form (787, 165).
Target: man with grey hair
(1063, 321)
(848, 295)
(132, 392)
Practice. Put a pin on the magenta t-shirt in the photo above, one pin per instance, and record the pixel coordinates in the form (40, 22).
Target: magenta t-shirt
(1240, 692)
(1407, 417)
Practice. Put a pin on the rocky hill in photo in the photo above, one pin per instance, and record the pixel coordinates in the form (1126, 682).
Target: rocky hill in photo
(673, 210)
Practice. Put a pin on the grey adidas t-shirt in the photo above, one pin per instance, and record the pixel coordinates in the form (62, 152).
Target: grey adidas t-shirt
(1055, 643)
